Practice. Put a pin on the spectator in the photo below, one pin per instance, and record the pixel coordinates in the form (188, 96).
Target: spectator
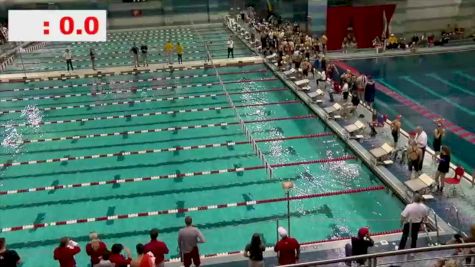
(65, 252)
(254, 251)
(117, 258)
(230, 44)
(412, 217)
(143, 259)
(179, 52)
(95, 248)
(188, 239)
(157, 247)
(68, 56)
(144, 50)
(135, 54)
(361, 82)
(443, 168)
(421, 139)
(287, 248)
(361, 243)
(105, 261)
(8, 258)
(168, 50)
(392, 41)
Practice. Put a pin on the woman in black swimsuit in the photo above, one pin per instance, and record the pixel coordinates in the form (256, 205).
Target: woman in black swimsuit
(438, 134)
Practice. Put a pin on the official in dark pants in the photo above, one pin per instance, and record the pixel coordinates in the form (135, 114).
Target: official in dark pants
(412, 218)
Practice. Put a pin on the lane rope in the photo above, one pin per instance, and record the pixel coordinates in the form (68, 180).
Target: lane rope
(172, 129)
(173, 176)
(148, 114)
(159, 150)
(192, 209)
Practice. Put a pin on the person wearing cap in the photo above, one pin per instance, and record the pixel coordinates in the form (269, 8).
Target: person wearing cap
(8, 258)
(287, 248)
(412, 217)
(396, 128)
(361, 243)
(65, 252)
(95, 248)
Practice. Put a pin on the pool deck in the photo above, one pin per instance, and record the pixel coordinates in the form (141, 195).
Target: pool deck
(81, 73)
(454, 214)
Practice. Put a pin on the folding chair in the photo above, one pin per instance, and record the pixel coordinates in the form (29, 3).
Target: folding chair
(453, 182)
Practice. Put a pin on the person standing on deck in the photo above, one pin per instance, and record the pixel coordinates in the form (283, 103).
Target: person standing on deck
(144, 50)
(287, 248)
(68, 56)
(439, 132)
(443, 168)
(414, 155)
(157, 247)
(92, 56)
(230, 44)
(65, 252)
(179, 52)
(421, 139)
(395, 129)
(412, 217)
(168, 50)
(188, 239)
(135, 54)
(8, 258)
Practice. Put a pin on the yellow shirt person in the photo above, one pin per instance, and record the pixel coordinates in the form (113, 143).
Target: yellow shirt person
(168, 50)
(179, 51)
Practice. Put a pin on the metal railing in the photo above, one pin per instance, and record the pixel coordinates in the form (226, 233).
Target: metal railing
(372, 259)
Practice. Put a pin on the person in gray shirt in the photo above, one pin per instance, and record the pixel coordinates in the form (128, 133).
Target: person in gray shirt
(188, 239)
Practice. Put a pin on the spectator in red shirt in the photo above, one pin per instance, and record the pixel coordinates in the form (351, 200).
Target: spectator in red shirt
(157, 247)
(65, 252)
(118, 259)
(95, 248)
(287, 248)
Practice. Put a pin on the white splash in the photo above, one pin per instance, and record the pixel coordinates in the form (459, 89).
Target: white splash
(12, 139)
(32, 115)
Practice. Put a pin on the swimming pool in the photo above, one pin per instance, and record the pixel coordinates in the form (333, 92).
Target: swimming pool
(102, 135)
(116, 51)
(442, 83)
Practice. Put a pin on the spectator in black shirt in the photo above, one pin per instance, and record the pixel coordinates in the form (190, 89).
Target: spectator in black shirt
(92, 55)
(8, 258)
(254, 251)
(144, 50)
(361, 243)
(135, 53)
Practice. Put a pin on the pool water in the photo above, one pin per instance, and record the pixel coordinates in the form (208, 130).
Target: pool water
(258, 95)
(443, 83)
(116, 51)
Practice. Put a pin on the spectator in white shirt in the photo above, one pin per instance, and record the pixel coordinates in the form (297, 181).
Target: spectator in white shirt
(421, 140)
(230, 47)
(413, 215)
(68, 56)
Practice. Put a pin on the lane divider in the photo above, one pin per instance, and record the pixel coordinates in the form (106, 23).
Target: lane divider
(192, 209)
(167, 129)
(173, 176)
(183, 97)
(450, 126)
(303, 244)
(148, 114)
(160, 150)
(153, 88)
(149, 100)
(107, 83)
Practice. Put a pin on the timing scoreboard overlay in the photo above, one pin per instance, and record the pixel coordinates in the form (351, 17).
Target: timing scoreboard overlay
(57, 25)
